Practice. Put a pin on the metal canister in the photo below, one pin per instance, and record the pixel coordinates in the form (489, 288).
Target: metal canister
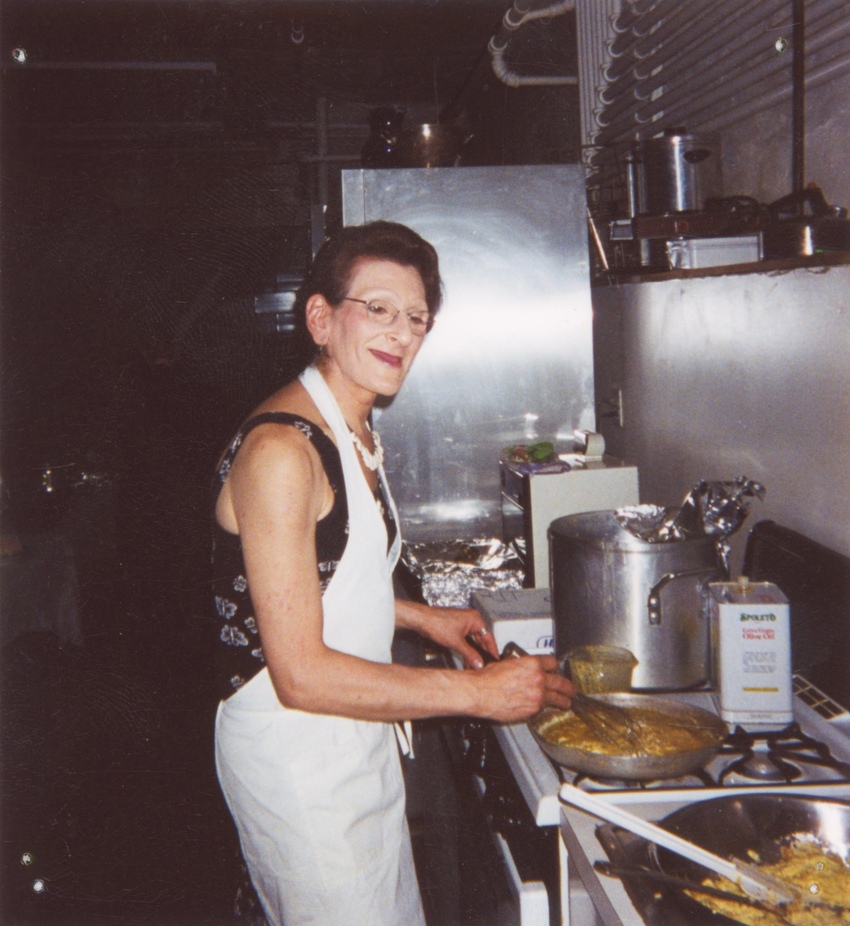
(609, 586)
(680, 171)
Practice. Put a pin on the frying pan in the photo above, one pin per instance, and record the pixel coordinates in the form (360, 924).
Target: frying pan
(634, 767)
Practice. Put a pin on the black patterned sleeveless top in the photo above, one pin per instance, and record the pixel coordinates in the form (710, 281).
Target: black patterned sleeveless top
(238, 651)
(239, 655)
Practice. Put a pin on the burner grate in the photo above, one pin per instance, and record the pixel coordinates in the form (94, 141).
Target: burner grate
(777, 755)
(700, 778)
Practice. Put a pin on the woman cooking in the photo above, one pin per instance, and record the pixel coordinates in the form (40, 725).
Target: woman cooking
(306, 541)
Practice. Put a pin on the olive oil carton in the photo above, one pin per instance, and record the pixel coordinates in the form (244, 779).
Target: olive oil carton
(750, 627)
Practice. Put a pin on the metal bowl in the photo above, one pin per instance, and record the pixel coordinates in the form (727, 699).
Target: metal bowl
(761, 823)
(738, 825)
(731, 825)
(634, 767)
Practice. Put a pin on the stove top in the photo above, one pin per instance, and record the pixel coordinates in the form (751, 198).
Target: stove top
(813, 753)
(810, 757)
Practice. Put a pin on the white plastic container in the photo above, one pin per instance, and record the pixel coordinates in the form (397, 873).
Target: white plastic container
(751, 652)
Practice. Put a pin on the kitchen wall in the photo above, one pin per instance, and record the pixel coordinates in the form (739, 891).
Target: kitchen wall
(729, 375)
(756, 153)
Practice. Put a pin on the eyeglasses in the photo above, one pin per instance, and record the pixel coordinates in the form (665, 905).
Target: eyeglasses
(385, 313)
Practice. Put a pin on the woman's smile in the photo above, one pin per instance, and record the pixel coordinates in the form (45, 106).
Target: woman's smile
(389, 359)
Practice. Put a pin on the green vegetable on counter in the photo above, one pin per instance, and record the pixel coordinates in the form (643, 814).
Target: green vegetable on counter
(541, 452)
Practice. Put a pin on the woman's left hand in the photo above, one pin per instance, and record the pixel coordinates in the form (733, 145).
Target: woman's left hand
(450, 627)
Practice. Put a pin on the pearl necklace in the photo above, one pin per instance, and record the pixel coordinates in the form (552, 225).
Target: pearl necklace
(371, 460)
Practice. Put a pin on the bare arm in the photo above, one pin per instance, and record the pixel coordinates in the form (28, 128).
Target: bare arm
(278, 491)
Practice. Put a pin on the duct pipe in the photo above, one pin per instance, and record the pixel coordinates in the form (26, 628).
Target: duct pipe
(639, 27)
(675, 93)
(499, 43)
(713, 92)
(727, 13)
(756, 69)
(679, 64)
(717, 114)
(680, 35)
(629, 16)
(730, 56)
(716, 119)
(681, 49)
(822, 26)
(593, 23)
(626, 72)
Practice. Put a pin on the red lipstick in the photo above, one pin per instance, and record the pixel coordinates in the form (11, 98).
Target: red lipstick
(389, 359)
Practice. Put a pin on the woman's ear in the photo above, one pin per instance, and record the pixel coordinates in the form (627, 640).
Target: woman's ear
(317, 314)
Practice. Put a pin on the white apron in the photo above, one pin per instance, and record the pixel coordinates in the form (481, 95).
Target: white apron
(318, 800)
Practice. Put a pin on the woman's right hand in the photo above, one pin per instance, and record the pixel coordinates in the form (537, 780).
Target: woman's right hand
(515, 689)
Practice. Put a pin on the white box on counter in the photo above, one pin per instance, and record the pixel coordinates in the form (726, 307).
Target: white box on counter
(518, 615)
(750, 626)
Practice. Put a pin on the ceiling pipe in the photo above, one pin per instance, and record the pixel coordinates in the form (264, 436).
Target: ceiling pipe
(672, 77)
(518, 15)
(739, 65)
(29, 65)
(713, 111)
(744, 69)
(682, 51)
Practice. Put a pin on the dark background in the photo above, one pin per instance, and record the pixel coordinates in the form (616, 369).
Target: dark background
(159, 170)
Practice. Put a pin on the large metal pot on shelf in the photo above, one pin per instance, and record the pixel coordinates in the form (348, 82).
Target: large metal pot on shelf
(431, 144)
(612, 587)
(679, 171)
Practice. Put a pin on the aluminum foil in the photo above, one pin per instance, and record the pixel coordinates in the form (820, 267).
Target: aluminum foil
(710, 509)
(449, 571)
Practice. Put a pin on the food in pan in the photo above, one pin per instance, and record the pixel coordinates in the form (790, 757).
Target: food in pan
(659, 734)
(820, 875)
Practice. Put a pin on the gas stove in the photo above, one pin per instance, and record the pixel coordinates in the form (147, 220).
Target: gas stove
(809, 757)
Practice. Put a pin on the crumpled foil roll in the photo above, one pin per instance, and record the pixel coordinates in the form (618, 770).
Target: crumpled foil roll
(648, 522)
(710, 509)
(449, 571)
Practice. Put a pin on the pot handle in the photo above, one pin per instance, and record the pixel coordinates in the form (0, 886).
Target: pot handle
(653, 601)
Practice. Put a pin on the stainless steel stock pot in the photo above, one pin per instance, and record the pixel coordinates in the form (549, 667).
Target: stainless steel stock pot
(610, 586)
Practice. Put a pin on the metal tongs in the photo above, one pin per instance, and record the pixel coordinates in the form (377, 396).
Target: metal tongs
(613, 724)
(685, 884)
